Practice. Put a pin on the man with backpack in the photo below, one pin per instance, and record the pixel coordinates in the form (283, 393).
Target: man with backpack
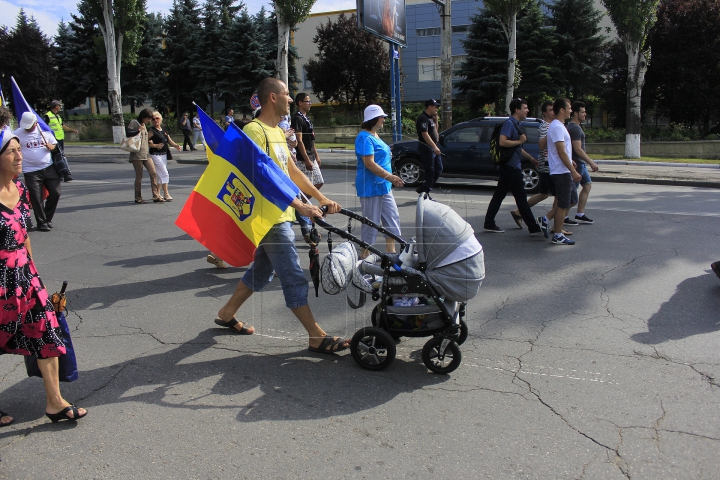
(510, 142)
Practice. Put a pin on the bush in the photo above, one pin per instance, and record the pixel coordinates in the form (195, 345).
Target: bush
(673, 132)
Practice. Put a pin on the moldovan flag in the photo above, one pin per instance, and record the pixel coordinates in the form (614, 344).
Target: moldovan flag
(239, 197)
(21, 106)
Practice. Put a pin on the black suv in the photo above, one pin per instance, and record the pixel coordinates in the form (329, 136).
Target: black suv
(466, 153)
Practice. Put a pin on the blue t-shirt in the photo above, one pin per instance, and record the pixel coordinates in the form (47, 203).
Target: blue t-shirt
(367, 183)
(511, 132)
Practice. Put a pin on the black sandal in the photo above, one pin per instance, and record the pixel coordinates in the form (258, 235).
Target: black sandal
(335, 345)
(62, 415)
(231, 325)
(3, 415)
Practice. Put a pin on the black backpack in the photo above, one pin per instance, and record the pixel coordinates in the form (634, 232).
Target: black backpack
(500, 155)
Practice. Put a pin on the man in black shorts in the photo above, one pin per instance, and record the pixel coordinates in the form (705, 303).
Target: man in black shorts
(427, 149)
(562, 171)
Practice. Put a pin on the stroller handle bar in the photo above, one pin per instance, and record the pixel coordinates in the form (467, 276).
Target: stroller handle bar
(353, 238)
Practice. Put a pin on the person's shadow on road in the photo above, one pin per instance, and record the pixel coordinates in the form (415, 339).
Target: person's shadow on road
(258, 383)
(692, 310)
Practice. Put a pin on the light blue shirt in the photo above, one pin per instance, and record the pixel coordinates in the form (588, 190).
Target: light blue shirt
(367, 183)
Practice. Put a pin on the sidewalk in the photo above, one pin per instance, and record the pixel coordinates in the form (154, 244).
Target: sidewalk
(618, 171)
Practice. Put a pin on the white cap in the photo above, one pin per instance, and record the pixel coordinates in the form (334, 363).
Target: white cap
(373, 111)
(28, 120)
(5, 136)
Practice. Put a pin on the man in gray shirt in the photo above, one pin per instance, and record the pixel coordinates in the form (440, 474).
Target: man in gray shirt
(577, 136)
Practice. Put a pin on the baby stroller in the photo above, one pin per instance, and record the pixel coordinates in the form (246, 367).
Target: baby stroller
(422, 292)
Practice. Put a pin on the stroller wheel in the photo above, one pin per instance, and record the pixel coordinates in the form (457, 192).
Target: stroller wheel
(441, 355)
(372, 348)
(463, 333)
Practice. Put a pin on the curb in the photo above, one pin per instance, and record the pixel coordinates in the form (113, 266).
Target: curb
(658, 181)
(656, 164)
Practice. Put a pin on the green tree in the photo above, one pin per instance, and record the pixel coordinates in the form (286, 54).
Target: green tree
(121, 24)
(579, 46)
(682, 67)
(182, 34)
(506, 12)
(146, 79)
(633, 19)
(351, 66)
(539, 74)
(289, 14)
(484, 72)
(28, 56)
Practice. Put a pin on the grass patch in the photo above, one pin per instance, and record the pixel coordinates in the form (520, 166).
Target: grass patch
(346, 146)
(660, 159)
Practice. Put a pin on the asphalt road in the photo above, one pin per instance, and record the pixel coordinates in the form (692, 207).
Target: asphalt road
(596, 361)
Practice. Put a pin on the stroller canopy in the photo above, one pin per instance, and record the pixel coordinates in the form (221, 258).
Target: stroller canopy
(455, 264)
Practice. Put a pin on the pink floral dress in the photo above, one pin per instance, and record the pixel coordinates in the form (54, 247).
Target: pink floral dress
(28, 325)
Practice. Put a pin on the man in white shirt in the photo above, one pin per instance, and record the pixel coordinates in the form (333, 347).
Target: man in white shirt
(38, 169)
(562, 171)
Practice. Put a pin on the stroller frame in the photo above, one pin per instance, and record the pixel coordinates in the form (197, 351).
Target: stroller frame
(373, 348)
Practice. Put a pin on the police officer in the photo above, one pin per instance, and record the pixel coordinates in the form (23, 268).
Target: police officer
(428, 150)
(55, 122)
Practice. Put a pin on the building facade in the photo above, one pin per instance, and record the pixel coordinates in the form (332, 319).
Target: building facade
(420, 61)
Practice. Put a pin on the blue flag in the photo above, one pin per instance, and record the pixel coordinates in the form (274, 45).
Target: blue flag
(21, 106)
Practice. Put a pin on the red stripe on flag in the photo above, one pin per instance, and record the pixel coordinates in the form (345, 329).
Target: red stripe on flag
(216, 230)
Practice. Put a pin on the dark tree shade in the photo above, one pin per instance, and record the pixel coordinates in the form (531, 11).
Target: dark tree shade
(539, 72)
(579, 49)
(351, 66)
(182, 30)
(615, 92)
(27, 55)
(485, 70)
(146, 79)
(684, 71)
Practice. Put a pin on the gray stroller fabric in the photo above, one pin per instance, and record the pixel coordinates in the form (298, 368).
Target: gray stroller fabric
(439, 232)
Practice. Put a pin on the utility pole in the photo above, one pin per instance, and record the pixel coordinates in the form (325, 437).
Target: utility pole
(446, 63)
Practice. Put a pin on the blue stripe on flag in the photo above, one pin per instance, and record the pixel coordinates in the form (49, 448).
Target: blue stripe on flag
(21, 106)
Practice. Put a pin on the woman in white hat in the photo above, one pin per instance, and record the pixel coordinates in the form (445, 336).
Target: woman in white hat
(374, 179)
(28, 324)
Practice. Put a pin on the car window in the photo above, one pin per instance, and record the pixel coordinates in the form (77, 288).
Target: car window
(532, 133)
(464, 135)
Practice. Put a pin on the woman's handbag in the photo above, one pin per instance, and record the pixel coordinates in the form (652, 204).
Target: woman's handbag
(61, 164)
(67, 368)
(131, 144)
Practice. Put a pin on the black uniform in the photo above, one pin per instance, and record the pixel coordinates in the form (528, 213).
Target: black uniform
(431, 163)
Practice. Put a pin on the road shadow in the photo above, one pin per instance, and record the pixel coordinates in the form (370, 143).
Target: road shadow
(260, 386)
(692, 310)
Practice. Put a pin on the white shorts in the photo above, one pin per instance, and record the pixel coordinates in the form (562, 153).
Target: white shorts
(160, 162)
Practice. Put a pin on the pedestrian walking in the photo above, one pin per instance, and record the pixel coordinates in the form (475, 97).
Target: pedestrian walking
(276, 251)
(292, 143)
(229, 118)
(186, 127)
(55, 122)
(577, 136)
(38, 170)
(562, 171)
(510, 173)
(159, 143)
(140, 159)
(374, 180)
(197, 132)
(28, 324)
(307, 155)
(429, 152)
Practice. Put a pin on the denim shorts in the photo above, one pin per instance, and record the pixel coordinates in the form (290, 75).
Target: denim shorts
(583, 171)
(277, 253)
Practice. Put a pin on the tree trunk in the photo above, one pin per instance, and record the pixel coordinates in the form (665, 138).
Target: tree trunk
(512, 47)
(113, 54)
(637, 66)
(281, 65)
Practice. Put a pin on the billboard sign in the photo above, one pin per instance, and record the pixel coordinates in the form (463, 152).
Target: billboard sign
(384, 18)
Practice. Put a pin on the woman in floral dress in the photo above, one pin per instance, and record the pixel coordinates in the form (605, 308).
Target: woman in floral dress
(28, 325)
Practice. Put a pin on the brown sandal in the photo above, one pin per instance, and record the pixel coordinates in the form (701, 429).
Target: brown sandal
(231, 325)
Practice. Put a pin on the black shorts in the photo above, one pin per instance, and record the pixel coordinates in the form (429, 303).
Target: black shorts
(563, 189)
(547, 187)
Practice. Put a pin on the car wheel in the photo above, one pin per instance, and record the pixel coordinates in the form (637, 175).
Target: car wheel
(531, 178)
(411, 172)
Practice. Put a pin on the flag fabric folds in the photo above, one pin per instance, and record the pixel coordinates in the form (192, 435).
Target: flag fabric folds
(239, 197)
(21, 106)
